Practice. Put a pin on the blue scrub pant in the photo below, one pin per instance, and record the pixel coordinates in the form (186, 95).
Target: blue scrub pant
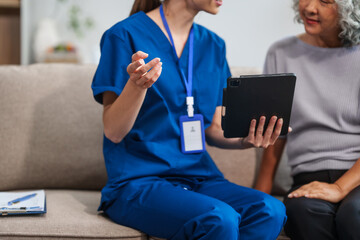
(195, 208)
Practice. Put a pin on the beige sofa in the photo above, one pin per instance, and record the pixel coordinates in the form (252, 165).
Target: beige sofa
(51, 138)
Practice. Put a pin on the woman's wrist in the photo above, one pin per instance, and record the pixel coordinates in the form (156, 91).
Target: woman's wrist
(350, 180)
(342, 191)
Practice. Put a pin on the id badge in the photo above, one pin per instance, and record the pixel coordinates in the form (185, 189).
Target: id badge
(192, 134)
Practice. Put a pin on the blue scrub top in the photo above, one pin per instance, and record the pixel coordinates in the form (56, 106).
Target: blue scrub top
(153, 147)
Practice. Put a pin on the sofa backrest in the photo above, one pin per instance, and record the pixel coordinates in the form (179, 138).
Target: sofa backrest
(51, 131)
(50, 128)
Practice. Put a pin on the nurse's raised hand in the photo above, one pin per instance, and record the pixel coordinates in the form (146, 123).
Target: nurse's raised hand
(257, 137)
(141, 74)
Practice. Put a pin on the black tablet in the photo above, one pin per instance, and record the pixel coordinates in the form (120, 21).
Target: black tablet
(252, 96)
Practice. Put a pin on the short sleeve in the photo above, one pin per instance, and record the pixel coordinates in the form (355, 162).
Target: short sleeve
(225, 74)
(111, 74)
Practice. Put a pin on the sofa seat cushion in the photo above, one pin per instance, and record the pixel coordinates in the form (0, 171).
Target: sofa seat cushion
(71, 214)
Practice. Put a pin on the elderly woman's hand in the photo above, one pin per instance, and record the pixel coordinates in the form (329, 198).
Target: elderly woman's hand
(320, 190)
(141, 74)
(256, 138)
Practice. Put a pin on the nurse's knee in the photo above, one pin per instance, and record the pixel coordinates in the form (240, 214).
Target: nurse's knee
(218, 222)
(267, 216)
(274, 211)
(223, 218)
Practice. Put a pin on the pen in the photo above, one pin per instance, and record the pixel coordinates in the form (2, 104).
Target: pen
(21, 199)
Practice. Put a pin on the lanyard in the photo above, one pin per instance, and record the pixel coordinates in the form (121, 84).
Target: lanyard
(188, 82)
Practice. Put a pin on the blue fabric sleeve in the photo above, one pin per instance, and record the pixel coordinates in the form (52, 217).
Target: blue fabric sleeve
(111, 74)
(225, 74)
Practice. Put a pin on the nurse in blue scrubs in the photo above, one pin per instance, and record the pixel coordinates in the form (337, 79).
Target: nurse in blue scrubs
(160, 80)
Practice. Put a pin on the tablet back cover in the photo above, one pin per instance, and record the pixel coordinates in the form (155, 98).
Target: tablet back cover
(253, 96)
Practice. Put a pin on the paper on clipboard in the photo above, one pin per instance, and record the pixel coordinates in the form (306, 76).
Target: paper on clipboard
(34, 204)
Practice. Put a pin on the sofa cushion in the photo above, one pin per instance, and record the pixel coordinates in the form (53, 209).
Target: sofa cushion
(50, 128)
(70, 214)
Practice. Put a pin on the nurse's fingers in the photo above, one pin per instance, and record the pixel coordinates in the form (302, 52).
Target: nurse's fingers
(277, 131)
(260, 127)
(134, 65)
(252, 128)
(259, 132)
(149, 83)
(145, 68)
(148, 79)
(139, 55)
(269, 131)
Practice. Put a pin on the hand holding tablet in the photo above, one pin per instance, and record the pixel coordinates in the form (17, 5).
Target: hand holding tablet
(248, 98)
(259, 136)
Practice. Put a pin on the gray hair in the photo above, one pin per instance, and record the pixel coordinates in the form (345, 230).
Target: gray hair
(349, 12)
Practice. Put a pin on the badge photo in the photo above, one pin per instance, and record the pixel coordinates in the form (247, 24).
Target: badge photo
(192, 134)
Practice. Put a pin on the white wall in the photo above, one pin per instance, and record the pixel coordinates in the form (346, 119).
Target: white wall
(248, 27)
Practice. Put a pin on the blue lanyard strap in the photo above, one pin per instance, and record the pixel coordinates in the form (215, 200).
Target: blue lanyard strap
(188, 82)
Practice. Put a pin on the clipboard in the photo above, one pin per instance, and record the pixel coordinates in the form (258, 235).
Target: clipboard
(21, 211)
(251, 96)
(20, 203)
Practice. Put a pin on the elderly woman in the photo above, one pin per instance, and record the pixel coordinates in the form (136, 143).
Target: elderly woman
(324, 146)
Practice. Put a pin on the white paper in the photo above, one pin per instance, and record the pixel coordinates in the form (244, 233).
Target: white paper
(36, 203)
(192, 136)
